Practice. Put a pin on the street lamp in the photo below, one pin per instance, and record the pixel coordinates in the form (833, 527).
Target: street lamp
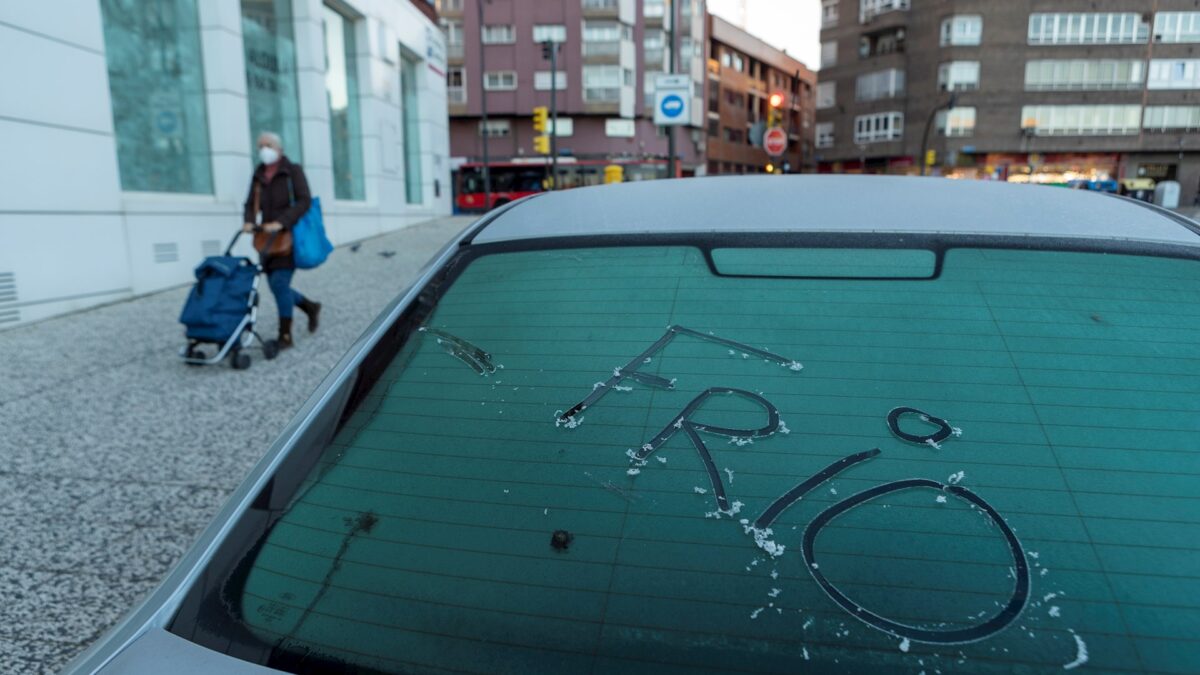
(948, 105)
(483, 112)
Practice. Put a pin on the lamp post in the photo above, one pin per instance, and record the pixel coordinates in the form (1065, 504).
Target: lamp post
(948, 105)
(483, 116)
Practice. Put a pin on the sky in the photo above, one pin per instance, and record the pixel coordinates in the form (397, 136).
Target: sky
(794, 25)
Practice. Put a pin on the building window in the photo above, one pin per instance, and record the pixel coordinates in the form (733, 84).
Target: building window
(410, 112)
(271, 92)
(1092, 28)
(1082, 74)
(156, 82)
(1081, 120)
(502, 34)
(341, 90)
(825, 134)
(654, 8)
(962, 30)
(714, 128)
(828, 54)
(549, 33)
(450, 5)
(600, 4)
(454, 37)
(958, 76)
(564, 127)
(496, 128)
(654, 45)
(826, 95)
(885, 126)
(1174, 74)
(869, 9)
(542, 80)
(500, 80)
(882, 84)
(829, 13)
(456, 85)
(957, 121)
(619, 128)
(603, 38)
(1177, 27)
(1172, 118)
(602, 84)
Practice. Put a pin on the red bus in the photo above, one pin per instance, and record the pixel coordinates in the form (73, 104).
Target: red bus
(513, 180)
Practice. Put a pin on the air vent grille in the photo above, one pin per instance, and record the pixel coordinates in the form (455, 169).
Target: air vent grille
(166, 253)
(8, 294)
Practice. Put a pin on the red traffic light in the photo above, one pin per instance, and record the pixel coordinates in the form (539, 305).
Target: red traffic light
(776, 100)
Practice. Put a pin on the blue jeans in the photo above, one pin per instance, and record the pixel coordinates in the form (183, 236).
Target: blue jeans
(280, 282)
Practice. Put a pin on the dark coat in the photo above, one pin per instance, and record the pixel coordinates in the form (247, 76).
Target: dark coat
(285, 199)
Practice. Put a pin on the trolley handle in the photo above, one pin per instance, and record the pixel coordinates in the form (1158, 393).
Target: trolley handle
(257, 228)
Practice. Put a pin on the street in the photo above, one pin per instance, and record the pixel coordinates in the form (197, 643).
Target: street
(118, 454)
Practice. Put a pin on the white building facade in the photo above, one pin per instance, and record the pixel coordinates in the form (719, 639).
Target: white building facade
(129, 131)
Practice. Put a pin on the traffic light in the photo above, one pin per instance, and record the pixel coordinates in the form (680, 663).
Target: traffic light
(541, 144)
(775, 110)
(540, 116)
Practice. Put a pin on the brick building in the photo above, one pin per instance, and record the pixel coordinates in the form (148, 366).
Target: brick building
(743, 72)
(610, 52)
(1045, 90)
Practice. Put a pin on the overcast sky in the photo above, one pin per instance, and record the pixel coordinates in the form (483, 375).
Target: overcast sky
(794, 25)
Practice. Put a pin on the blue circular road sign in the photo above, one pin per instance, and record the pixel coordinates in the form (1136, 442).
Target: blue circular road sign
(672, 105)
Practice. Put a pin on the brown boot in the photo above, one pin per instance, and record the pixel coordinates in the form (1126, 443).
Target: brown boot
(313, 310)
(285, 333)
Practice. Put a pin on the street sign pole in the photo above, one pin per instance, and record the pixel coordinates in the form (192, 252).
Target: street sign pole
(674, 65)
(553, 114)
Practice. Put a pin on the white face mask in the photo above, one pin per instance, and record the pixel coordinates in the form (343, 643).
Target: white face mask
(268, 155)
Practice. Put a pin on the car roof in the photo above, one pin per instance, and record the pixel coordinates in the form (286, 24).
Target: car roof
(826, 203)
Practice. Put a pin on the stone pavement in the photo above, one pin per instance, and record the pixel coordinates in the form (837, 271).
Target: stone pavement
(116, 455)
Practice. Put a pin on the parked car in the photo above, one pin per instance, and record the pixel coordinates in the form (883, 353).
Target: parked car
(740, 424)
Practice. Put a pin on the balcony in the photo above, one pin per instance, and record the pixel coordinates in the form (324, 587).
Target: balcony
(602, 52)
(454, 51)
(601, 9)
(456, 95)
(870, 10)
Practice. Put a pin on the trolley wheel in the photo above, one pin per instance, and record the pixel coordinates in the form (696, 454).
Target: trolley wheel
(193, 353)
(240, 361)
(270, 349)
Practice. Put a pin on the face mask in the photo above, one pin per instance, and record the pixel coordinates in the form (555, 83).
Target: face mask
(268, 155)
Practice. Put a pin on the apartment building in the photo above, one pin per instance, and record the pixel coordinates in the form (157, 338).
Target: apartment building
(609, 54)
(1043, 90)
(743, 73)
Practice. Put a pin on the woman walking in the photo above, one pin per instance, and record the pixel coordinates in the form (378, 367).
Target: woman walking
(280, 192)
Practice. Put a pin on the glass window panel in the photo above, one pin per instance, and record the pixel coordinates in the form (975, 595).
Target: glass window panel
(341, 89)
(272, 95)
(411, 114)
(156, 82)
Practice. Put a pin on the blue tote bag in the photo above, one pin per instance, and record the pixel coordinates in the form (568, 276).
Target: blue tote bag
(310, 246)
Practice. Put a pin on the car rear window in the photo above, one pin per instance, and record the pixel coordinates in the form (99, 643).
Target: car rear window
(613, 459)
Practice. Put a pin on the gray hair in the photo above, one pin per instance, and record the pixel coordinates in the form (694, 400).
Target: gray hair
(272, 138)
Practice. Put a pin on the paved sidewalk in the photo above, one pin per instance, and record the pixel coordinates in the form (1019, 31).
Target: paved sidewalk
(116, 454)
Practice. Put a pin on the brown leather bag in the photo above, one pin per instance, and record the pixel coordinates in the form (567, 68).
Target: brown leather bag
(280, 242)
